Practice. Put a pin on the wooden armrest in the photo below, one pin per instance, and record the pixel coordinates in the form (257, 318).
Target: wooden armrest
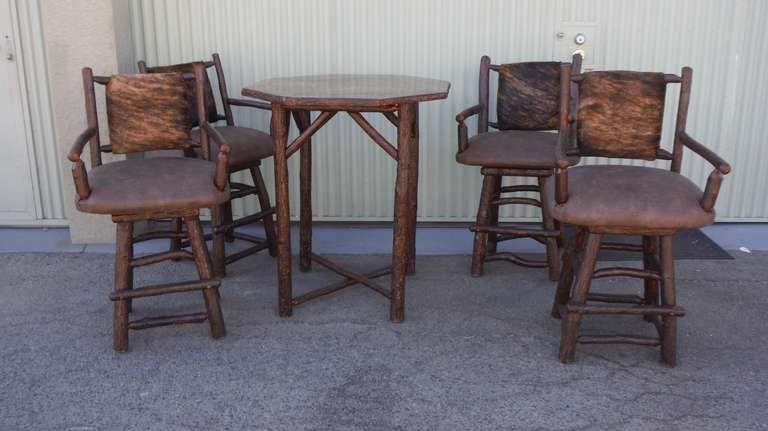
(715, 179)
(462, 129)
(79, 145)
(250, 103)
(222, 167)
(561, 185)
(712, 189)
(79, 174)
(213, 133)
(716, 161)
(221, 177)
(567, 155)
(463, 115)
(566, 151)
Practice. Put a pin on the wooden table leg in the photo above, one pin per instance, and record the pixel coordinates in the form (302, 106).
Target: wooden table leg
(305, 185)
(413, 191)
(282, 210)
(408, 147)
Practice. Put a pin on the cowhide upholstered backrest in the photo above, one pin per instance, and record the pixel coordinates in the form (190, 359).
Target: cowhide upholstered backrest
(210, 101)
(148, 112)
(529, 96)
(620, 114)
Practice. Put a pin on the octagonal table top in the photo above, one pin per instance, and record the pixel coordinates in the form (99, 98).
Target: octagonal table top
(338, 91)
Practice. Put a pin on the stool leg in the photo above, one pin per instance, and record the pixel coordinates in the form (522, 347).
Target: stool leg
(175, 228)
(269, 222)
(229, 235)
(203, 262)
(492, 246)
(123, 281)
(572, 321)
(548, 223)
(218, 239)
(650, 287)
(668, 297)
(572, 248)
(483, 218)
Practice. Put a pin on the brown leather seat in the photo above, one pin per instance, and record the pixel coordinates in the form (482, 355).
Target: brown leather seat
(630, 196)
(152, 185)
(511, 149)
(249, 146)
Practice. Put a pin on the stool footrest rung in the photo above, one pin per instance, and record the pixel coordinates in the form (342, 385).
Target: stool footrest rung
(245, 253)
(253, 218)
(619, 271)
(179, 319)
(618, 339)
(516, 201)
(520, 188)
(158, 234)
(522, 233)
(616, 299)
(504, 237)
(621, 246)
(660, 310)
(162, 289)
(161, 257)
(241, 193)
(249, 238)
(511, 257)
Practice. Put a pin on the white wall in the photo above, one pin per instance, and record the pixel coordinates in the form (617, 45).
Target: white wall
(78, 33)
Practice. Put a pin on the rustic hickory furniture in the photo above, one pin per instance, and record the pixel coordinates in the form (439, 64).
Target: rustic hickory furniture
(149, 112)
(397, 98)
(528, 112)
(619, 115)
(249, 148)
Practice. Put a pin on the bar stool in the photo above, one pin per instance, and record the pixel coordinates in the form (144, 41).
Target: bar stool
(524, 146)
(619, 115)
(249, 148)
(149, 112)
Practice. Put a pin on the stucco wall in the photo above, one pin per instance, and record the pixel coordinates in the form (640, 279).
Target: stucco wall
(81, 33)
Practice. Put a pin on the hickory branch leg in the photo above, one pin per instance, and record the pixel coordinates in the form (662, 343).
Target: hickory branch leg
(282, 210)
(407, 144)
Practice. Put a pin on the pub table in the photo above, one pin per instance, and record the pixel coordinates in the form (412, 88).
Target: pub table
(397, 98)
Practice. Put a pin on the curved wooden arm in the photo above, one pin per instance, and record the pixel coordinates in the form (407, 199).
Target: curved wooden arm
(462, 129)
(79, 174)
(718, 163)
(472, 110)
(250, 103)
(213, 133)
(715, 179)
(79, 145)
(222, 160)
